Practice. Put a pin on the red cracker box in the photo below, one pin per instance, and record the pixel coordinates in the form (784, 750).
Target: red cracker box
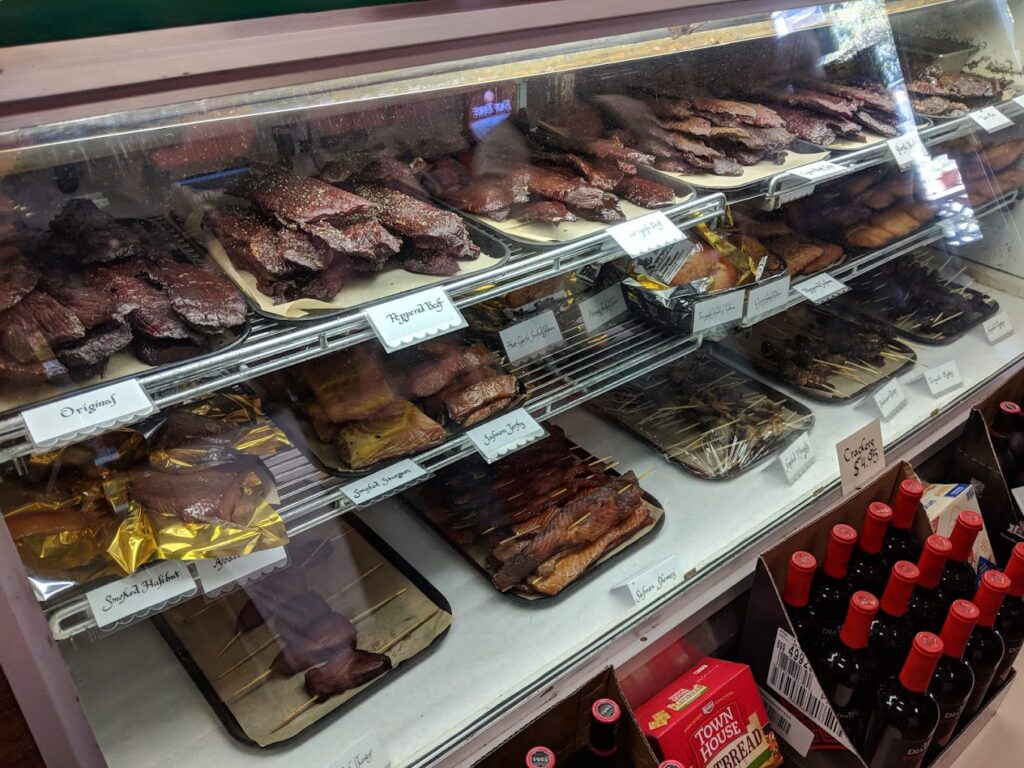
(711, 717)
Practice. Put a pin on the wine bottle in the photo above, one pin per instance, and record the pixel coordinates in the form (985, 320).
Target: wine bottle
(797, 594)
(847, 668)
(540, 757)
(960, 578)
(928, 605)
(1010, 621)
(1008, 442)
(985, 648)
(901, 543)
(953, 680)
(893, 631)
(905, 715)
(602, 750)
(830, 593)
(868, 570)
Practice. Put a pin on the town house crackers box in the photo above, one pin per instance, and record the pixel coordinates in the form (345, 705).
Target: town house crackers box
(711, 717)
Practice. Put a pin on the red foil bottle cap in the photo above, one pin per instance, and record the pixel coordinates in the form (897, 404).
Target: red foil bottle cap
(905, 503)
(1015, 571)
(966, 529)
(840, 546)
(876, 522)
(990, 594)
(863, 607)
(902, 580)
(540, 757)
(670, 764)
(1008, 406)
(797, 591)
(606, 711)
(920, 665)
(933, 560)
(963, 615)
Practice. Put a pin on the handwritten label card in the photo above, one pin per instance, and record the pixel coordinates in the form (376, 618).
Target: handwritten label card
(1019, 101)
(653, 581)
(383, 481)
(645, 234)
(602, 308)
(84, 413)
(218, 572)
(823, 169)
(505, 434)
(768, 299)
(907, 150)
(943, 378)
(141, 592)
(797, 458)
(410, 319)
(821, 288)
(998, 327)
(991, 119)
(368, 752)
(531, 337)
(861, 456)
(890, 398)
(710, 313)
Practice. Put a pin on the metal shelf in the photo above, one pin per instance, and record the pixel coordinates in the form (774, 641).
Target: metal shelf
(583, 368)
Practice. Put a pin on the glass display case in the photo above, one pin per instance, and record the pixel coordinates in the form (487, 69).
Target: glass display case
(503, 363)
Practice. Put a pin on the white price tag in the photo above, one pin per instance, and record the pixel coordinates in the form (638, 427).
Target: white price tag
(410, 319)
(788, 727)
(602, 308)
(907, 150)
(645, 234)
(942, 378)
(890, 398)
(1018, 495)
(651, 582)
(82, 414)
(821, 288)
(383, 481)
(710, 313)
(138, 594)
(997, 327)
(823, 169)
(861, 456)
(768, 299)
(368, 752)
(991, 119)
(531, 337)
(218, 572)
(797, 458)
(505, 434)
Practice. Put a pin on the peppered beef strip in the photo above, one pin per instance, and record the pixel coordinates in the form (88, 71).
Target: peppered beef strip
(874, 99)
(645, 193)
(298, 199)
(207, 302)
(97, 347)
(598, 173)
(255, 246)
(747, 112)
(365, 241)
(324, 285)
(807, 125)
(565, 187)
(547, 210)
(425, 263)
(815, 100)
(17, 277)
(424, 225)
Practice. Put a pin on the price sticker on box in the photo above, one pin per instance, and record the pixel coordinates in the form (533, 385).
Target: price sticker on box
(505, 434)
(907, 150)
(943, 378)
(654, 581)
(368, 752)
(765, 300)
(821, 288)
(141, 593)
(797, 458)
(410, 319)
(991, 119)
(861, 456)
(645, 234)
(87, 412)
(383, 482)
(713, 312)
(997, 327)
(218, 572)
(531, 337)
(823, 169)
(890, 398)
(603, 308)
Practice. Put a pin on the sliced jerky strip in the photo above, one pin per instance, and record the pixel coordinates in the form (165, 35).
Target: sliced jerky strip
(324, 285)
(425, 263)
(546, 210)
(91, 305)
(365, 240)
(35, 324)
(299, 199)
(819, 102)
(147, 309)
(484, 195)
(807, 125)
(645, 193)
(17, 278)
(97, 346)
(685, 145)
(747, 112)
(13, 372)
(205, 301)
(565, 187)
(599, 173)
(877, 124)
(255, 246)
(426, 225)
(937, 105)
(875, 99)
(156, 352)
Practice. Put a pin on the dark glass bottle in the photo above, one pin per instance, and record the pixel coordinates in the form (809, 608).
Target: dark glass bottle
(868, 570)
(953, 680)
(830, 593)
(960, 578)
(893, 631)
(985, 649)
(928, 605)
(1010, 621)
(1008, 440)
(901, 543)
(797, 594)
(540, 757)
(905, 714)
(847, 668)
(602, 750)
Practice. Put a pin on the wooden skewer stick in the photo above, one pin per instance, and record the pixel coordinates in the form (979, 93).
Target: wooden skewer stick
(229, 644)
(291, 716)
(405, 633)
(378, 606)
(251, 685)
(951, 317)
(273, 638)
(355, 581)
